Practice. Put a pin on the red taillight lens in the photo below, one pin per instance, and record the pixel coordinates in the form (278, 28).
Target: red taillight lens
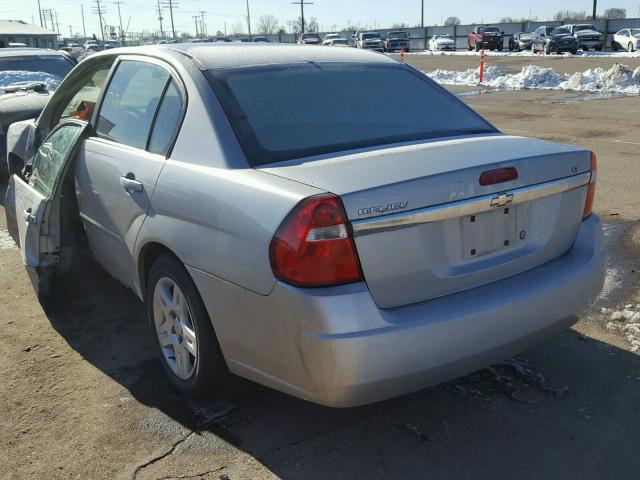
(591, 191)
(499, 175)
(314, 247)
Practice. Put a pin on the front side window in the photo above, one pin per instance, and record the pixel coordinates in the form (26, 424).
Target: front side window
(130, 103)
(51, 157)
(276, 119)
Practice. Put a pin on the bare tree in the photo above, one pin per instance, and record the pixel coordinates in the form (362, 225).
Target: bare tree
(451, 21)
(565, 15)
(517, 19)
(310, 25)
(400, 25)
(267, 24)
(615, 13)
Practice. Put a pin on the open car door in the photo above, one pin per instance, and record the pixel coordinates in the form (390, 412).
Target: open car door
(33, 202)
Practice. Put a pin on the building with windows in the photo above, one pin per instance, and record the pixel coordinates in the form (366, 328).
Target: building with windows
(17, 31)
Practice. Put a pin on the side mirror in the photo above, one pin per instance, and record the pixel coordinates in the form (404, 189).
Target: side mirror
(21, 144)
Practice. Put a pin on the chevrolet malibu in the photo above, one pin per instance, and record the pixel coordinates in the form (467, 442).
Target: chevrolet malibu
(332, 243)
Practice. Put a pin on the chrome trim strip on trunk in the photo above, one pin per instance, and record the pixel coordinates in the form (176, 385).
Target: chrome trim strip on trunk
(471, 206)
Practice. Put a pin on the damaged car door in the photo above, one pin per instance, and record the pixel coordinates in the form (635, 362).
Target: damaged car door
(33, 202)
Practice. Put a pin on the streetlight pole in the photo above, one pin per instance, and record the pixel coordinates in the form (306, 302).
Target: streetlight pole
(595, 6)
(248, 20)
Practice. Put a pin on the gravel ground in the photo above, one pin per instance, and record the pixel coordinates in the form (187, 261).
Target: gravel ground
(83, 397)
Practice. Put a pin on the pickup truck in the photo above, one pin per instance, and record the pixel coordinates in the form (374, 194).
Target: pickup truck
(485, 37)
(587, 36)
(396, 41)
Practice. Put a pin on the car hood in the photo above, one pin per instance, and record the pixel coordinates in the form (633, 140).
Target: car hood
(372, 40)
(443, 40)
(562, 36)
(587, 32)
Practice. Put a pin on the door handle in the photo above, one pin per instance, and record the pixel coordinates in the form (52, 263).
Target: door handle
(130, 184)
(29, 217)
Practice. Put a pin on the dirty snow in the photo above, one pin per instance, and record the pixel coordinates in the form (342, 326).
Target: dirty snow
(617, 79)
(20, 78)
(626, 321)
(6, 242)
(527, 53)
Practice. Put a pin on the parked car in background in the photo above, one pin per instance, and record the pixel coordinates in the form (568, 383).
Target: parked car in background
(587, 36)
(370, 41)
(260, 39)
(90, 44)
(626, 39)
(489, 38)
(309, 39)
(336, 42)
(441, 43)
(553, 39)
(27, 76)
(274, 257)
(330, 36)
(397, 41)
(520, 41)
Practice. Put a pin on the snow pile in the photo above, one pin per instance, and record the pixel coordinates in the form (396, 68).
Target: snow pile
(626, 321)
(21, 78)
(468, 77)
(618, 79)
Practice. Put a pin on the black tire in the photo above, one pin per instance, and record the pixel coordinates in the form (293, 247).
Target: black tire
(585, 49)
(614, 46)
(630, 47)
(469, 47)
(574, 51)
(210, 374)
(547, 50)
(477, 47)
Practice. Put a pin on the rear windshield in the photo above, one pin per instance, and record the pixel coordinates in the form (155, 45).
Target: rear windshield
(578, 28)
(54, 64)
(285, 112)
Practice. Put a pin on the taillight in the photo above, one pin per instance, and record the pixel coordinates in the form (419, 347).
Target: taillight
(314, 246)
(591, 190)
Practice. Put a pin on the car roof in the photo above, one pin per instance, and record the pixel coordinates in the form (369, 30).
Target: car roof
(210, 56)
(27, 52)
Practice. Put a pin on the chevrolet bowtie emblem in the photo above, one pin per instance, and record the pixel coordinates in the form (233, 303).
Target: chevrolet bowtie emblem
(502, 200)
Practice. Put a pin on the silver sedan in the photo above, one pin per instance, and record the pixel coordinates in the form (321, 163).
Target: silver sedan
(333, 243)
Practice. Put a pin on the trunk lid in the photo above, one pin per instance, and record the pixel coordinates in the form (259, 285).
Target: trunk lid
(424, 226)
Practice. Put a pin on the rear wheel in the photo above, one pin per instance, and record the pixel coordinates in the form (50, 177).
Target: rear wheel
(188, 347)
(547, 50)
(477, 47)
(630, 47)
(614, 46)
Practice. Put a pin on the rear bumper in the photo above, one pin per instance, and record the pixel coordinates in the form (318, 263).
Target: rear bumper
(336, 347)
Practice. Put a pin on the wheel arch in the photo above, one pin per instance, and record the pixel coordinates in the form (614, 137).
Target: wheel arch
(149, 253)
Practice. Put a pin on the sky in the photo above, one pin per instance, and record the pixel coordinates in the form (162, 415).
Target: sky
(140, 15)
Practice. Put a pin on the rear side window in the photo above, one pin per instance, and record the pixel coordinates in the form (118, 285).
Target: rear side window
(167, 120)
(286, 112)
(130, 103)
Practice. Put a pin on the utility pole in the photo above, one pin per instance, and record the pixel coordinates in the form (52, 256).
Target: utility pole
(595, 6)
(249, 20)
(195, 19)
(160, 19)
(57, 24)
(171, 4)
(120, 18)
(70, 32)
(422, 15)
(302, 3)
(40, 12)
(203, 28)
(99, 10)
(84, 29)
